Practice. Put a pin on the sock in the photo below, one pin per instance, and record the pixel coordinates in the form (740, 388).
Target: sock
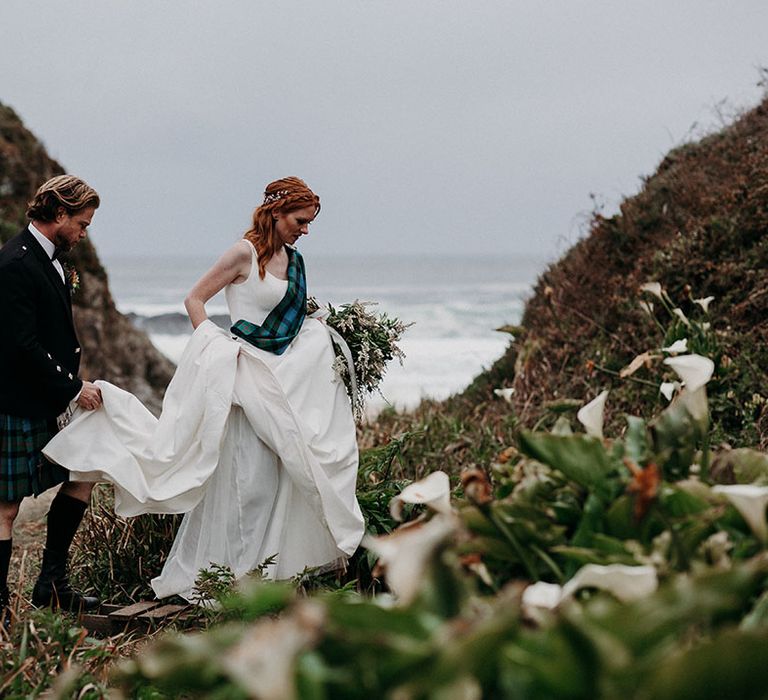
(5, 561)
(64, 518)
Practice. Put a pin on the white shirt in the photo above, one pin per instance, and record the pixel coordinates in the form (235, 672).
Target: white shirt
(48, 247)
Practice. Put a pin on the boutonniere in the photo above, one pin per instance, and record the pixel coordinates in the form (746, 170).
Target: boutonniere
(71, 277)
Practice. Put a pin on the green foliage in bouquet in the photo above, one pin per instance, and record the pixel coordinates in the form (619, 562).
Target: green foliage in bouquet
(373, 342)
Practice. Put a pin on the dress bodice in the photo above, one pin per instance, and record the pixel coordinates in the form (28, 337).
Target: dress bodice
(253, 299)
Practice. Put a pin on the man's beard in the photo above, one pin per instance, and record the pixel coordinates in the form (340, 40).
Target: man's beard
(63, 245)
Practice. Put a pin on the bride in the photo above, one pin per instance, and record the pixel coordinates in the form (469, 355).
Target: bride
(256, 440)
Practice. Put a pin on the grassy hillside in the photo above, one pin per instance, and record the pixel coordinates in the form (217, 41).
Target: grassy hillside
(699, 228)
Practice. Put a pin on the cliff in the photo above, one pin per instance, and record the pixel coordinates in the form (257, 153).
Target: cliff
(112, 348)
(698, 226)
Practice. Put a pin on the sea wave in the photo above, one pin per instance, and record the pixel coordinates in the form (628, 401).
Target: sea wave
(433, 368)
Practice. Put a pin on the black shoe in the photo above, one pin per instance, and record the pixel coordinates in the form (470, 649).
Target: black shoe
(52, 588)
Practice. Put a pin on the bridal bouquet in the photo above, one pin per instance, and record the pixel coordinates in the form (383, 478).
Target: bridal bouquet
(372, 340)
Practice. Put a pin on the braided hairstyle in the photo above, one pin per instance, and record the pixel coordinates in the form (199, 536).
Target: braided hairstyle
(285, 195)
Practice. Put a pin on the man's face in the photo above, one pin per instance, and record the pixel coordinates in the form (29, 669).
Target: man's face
(72, 229)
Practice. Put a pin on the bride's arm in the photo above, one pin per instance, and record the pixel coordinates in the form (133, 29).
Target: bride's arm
(233, 266)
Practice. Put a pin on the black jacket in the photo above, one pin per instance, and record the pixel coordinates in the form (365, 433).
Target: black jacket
(39, 350)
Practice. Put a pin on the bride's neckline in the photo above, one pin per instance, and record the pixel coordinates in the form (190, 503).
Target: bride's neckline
(255, 264)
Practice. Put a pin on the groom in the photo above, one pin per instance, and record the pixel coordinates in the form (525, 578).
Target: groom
(39, 361)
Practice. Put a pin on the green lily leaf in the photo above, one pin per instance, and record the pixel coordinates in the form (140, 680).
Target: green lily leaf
(580, 457)
(733, 665)
(740, 466)
(636, 444)
(677, 502)
(590, 555)
(675, 438)
(757, 618)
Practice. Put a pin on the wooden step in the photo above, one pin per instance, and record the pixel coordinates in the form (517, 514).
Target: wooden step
(113, 619)
(131, 611)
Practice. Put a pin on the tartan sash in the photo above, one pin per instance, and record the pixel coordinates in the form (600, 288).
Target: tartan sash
(283, 323)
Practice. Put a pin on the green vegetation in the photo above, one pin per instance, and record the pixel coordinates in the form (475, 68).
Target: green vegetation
(461, 626)
(480, 599)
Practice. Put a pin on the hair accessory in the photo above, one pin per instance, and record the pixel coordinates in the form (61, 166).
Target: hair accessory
(269, 198)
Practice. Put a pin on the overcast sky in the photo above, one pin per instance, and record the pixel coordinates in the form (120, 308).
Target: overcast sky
(426, 126)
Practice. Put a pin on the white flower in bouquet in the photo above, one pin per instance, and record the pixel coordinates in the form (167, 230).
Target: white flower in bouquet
(372, 341)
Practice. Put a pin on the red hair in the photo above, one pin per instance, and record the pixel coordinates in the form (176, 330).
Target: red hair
(285, 195)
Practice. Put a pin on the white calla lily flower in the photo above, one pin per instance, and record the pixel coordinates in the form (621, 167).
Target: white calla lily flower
(647, 307)
(625, 582)
(434, 491)
(652, 288)
(542, 595)
(704, 303)
(678, 346)
(262, 661)
(694, 370)
(697, 405)
(591, 415)
(505, 394)
(406, 552)
(668, 389)
(751, 501)
(679, 313)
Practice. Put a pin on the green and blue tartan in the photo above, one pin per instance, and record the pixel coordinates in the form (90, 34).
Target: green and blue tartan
(24, 471)
(283, 323)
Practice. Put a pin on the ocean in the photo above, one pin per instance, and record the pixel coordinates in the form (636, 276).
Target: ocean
(455, 306)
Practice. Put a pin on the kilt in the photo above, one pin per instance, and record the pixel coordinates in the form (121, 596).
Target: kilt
(24, 471)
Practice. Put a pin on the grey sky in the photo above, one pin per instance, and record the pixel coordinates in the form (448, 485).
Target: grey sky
(454, 127)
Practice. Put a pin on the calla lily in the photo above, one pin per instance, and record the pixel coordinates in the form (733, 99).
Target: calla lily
(647, 306)
(625, 582)
(542, 595)
(668, 389)
(652, 288)
(694, 370)
(263, 660)
(704, 303)
(750, 500)
(433, 491)
(697, 405)
(405, 553)
(591, 415)
(677, 347)
(679, 313)
(505, 394)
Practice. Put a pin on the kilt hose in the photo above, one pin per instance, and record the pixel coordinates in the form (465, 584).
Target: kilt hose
(24, 471)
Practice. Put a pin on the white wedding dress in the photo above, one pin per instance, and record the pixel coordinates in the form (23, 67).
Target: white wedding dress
(259, 450)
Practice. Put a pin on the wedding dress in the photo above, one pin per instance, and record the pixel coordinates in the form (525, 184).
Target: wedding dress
(259, 450)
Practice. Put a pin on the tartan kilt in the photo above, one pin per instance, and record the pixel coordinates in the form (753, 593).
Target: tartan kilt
(24, 471)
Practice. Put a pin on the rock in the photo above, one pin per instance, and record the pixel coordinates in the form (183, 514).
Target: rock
(113, 349)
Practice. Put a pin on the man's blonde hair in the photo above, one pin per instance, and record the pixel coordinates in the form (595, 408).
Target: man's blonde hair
(61, 192)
